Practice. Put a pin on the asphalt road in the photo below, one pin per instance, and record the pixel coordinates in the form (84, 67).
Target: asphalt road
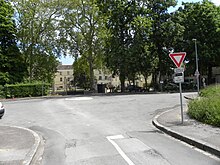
(104, 130)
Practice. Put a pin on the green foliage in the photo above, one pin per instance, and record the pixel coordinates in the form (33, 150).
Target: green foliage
(81, 73)
(37, 25)
(200, 21)
(2, 94)
(211, 91)
(126, 48)
(126, 36)
(26, 90)
(163, 32)
(207, 108)
(45, 67)
(82, 33)
(13, 67)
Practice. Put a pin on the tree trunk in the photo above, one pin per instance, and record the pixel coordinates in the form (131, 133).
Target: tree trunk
(154, 82)
(145, 79)
(122, 80)
(91, 74)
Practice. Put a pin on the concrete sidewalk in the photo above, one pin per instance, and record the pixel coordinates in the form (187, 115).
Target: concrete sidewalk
(200, 135)
(17, 145)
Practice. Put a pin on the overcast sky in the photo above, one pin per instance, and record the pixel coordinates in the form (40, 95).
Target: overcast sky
(217, 2)
(69, 60)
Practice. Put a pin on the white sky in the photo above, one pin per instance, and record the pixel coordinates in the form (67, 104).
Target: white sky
(69, 60)
(66, 60)
(217, 2)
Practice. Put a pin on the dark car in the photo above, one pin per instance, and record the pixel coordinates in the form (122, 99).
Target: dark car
(2, 110)
(171, 87)
(188, 86)
(134, 88)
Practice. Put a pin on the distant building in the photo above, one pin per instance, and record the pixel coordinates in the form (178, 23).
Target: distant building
(105, 77)
(63, 77)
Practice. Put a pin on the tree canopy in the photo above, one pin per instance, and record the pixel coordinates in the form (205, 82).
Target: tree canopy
(129, 37)
(13, 67)
(200, 21)
(81, 33)
(37, 30)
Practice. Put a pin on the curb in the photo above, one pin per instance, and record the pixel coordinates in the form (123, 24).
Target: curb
(30, 155)
(189, 140)
(78, 95)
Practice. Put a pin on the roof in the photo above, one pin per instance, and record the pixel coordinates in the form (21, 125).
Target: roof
(64, 67)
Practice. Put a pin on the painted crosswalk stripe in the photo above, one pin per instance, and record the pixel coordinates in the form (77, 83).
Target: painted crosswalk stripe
(124, 156)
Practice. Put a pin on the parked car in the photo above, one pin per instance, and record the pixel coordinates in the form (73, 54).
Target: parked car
(2, 110)
(188, 86)
(171, 87)
(134, 88)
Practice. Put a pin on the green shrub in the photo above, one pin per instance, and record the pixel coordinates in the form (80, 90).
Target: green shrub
(2, 95)
(207, 108)
(26, 90)
(210, 91)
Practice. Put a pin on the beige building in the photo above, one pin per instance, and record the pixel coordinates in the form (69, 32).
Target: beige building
(63, 77)
(105, 77)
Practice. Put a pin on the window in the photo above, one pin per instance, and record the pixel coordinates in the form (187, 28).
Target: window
(68, 73)
(100, 77)
(68, 79)
(106, 77)
(61, 79)
(60, 73)
(100, 72)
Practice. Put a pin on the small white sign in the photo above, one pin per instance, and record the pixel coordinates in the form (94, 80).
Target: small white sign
(179, 70)
(178, 78)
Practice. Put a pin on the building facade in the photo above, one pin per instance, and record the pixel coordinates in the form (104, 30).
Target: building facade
(63, 77)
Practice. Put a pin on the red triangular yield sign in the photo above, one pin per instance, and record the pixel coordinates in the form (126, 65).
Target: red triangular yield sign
(177, 58)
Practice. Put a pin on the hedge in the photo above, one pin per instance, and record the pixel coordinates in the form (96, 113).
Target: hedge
(2, 93)
(26, 90)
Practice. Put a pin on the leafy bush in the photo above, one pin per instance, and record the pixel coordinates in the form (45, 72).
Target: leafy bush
(210, 91)
(207, 108)
(26, 90)
(2, 95)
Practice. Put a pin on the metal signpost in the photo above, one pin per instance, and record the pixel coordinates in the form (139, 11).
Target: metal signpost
(179, 74)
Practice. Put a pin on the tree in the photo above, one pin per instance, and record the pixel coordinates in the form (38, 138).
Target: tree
(202, 22)
(37, 24)
(81, 34)
(81, 73)
(159, 15)
(12, 67)
(129, 29)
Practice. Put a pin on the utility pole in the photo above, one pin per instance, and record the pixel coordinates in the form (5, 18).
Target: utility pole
(197, 66)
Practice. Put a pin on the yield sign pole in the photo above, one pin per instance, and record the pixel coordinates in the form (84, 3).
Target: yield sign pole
(178, 58)
(181, 102)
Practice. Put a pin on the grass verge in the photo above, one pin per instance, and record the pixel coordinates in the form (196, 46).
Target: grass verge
(206, 109)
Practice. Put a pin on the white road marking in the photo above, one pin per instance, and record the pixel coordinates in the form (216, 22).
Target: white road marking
(124, 156)
(79, 98)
